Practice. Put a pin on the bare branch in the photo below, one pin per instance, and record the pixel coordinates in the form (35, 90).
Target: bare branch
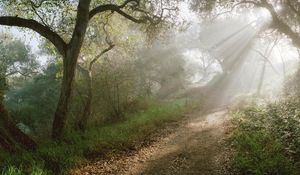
(34, 7)
(118, 9)
(37, 5)
(233, 7)
(100, 54)
(25, 74)
(266, 57)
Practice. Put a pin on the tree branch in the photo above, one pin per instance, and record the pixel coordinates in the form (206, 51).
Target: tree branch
(100, 54)
(267, 54)
(293, 8)
(118, 9)
(44, 31)
(25, 74)
(281, 25)
(278, 23)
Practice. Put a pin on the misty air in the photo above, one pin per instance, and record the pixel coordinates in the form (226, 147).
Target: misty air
(152, 87)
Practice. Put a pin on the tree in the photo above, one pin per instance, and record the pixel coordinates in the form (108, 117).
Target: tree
(285, 18)
(48, 27)
(33, 101)
(88, 74)
(15, 60)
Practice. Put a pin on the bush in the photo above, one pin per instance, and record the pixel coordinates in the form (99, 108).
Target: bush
(267, 139)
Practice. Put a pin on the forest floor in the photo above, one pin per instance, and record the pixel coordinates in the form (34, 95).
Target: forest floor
(195, 145)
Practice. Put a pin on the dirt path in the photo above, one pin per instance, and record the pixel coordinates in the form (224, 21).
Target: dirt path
(196, 147)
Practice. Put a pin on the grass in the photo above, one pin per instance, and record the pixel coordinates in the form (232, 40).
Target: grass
(265, 139)
(97, 142)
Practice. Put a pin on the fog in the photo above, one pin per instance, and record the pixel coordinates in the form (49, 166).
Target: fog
(259, 61)
(198, 53)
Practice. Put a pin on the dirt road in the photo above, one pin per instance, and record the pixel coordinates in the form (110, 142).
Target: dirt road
(196, 146)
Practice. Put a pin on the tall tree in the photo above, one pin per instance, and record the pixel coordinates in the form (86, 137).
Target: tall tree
(69, 48)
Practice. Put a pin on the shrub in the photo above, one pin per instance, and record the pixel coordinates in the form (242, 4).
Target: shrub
(267, 139)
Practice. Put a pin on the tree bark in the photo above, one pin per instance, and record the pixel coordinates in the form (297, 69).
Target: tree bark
(81, 123)
(11, 135)
(70, 62)
(280, 25)
(6, 142)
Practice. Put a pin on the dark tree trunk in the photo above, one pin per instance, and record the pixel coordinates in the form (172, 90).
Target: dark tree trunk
(11, 135)
(6, 141)
(64, 99)
(70, 62)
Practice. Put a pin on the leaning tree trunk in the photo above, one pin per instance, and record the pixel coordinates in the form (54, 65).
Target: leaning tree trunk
(7, 142)
(11, 136)
(215, 90)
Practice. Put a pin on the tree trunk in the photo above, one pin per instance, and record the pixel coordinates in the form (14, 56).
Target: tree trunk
(83, 119)
(10, 134)
(70, 62)
(62, 109)
(215, 91)
(261, 79)
(281, 25)
(6, 141)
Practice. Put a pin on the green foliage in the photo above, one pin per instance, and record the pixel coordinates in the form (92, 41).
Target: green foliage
(16, 59)
(33, 102)
(115, 86)
(267, 139)
(11, 170)
(98, 141)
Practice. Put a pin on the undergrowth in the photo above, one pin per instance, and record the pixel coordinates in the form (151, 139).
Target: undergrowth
(267, 139)
(97, 142)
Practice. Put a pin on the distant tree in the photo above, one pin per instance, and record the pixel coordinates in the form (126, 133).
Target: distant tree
(163, 67)
(33, 101)
(16, 60)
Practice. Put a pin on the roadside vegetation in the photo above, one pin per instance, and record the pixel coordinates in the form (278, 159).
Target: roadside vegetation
(98, 141)
(266, 138)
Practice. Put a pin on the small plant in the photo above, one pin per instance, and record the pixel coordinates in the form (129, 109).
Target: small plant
(11, 170)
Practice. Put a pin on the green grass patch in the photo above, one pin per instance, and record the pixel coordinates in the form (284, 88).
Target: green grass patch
(97, 142)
